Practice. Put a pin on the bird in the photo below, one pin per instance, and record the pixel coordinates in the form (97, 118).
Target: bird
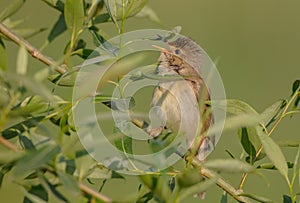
(177, 101)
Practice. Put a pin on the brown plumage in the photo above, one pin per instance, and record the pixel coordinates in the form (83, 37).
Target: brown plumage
(179, 100)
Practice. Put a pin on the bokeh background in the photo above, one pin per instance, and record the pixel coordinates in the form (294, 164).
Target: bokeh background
(255, 43)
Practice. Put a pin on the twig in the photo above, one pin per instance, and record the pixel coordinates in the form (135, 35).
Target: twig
(244, 176)
(225, 185)
(7, 144)
(34, 52)
(209, 174)
(94, 193)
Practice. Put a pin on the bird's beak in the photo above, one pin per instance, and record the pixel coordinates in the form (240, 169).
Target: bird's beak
(163, 50)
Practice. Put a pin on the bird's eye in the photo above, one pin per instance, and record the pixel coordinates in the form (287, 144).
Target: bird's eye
(177, 51)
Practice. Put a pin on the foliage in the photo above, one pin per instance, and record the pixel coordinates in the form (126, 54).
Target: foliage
(41, 152)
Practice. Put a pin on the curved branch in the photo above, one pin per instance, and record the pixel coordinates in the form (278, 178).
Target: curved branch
(94, 193)
(34, 52)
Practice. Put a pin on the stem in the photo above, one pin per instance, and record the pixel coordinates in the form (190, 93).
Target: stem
(3, 116)
(7, 144)
(222, 183)
(34, 52)
(282, 115)
(94, 193)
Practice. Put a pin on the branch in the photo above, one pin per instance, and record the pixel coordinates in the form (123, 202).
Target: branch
(224, 185)
(94, 193)
(7, 144)
(34, 52)
(208, 173)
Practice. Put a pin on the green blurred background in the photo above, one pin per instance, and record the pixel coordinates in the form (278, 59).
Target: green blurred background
(256, 44)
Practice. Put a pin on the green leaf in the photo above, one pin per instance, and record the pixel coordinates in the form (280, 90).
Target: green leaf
(296, 86)
(159, 185)
(31, 105)
(257, 198)
(101, 18)
(101, 172)
(84, 53)
(287, 199)
(272, 166)
(234, 106)
(269, 114)
(63, 124)
(9, 157)
(74, 16)
(111, 8)
(21, 127)
(224, 198)
(242, 120)
(189, 177)
(36, 194)
(45, 182)
(288, 143)
(56, 4)
(30, 84)
(145, 198)
(58, 28)
(149, 13)
(118, 11)
(99, 41)
(3, 59)
(35, 159)
(124, 144)
(246, 143)
(229, 165)
(70, 166)
(10, 9)
(28, 32)
(61, 80)
(26, 143)
(120, 104)
(69, 182)
(273, 152)
(22, 61)
(197, 188)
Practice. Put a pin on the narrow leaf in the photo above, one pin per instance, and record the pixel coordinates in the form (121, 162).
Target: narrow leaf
(287, 199)
(52, 188)
(101, 18)
(3, 59)
(197, 188)
(10, 9)
(35, 159)
(21, 127)
(273, 152)
(74, 17)
(246, 143)
(229, 165)
(69, 182)
(58, 28)
(36, 194)
(295, 86)
(257, 198)
(149, 13)
(22, 61)
(269, 114)
(224, 198)
(111, 9)
(26, 142)
(234, 106)
(28, 32)
(124, 144)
